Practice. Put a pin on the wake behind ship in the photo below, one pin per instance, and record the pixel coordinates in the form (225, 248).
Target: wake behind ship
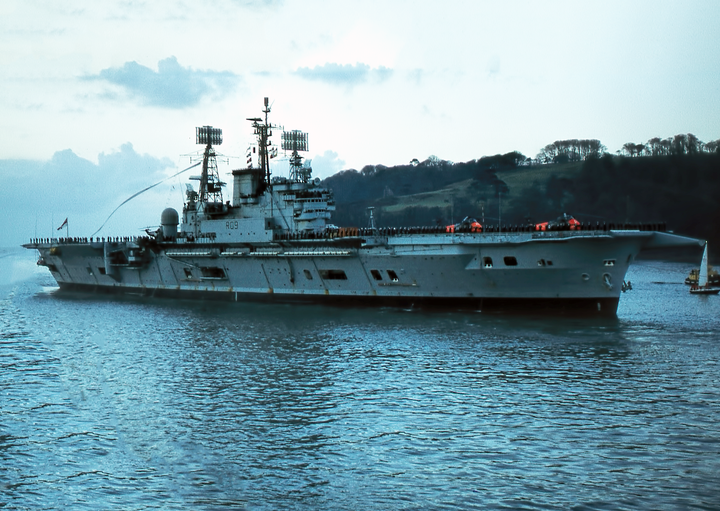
(274, 241)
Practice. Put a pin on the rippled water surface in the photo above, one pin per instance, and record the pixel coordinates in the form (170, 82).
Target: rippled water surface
(149, 404)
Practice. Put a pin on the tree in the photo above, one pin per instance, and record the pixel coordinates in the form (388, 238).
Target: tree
(713, 147)
(547, 154)
(593, 148)
(679, 145)
(655, 147)
(666, 145)
(433, 161)
(513, 159)
(562, 151)
(633, 150)
(368, 170)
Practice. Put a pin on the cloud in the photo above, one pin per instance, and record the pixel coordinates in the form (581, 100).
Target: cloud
(347, 74)
(327, 164)
(117, 162)
(171, 86)
(37, 194)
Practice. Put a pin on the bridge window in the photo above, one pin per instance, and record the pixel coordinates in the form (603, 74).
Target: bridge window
(393, 276)
(376, 274)
(487, 262)
(188, 273)
(308, 275)
(510, 261)
(609, 262)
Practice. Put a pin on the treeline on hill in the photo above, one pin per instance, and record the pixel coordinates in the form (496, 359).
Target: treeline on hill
(381, 186)
(681, 190)
(674, 180)
(563, 151)
(677, 145)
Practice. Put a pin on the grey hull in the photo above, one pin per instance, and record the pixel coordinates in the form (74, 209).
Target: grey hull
(602, 306)
(566, 270)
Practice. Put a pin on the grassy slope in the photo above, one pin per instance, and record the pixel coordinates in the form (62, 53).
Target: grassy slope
(516, 179)
(524, 177)
(438, 198)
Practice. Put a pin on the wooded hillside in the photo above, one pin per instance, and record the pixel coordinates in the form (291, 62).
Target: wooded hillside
(680, 188)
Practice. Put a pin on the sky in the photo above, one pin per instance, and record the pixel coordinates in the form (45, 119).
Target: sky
(101, 99)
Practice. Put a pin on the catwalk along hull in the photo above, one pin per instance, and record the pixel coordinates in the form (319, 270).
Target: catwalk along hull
(485, 271)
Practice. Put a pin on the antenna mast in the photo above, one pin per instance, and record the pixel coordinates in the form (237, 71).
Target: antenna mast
(295, 141)
(210, 184)
(263, 130)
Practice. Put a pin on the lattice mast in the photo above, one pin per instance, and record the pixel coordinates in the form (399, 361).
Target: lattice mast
(210, 184)
(295, 141)
(263, 131)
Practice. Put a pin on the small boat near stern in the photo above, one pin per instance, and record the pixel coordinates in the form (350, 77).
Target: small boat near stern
(703, 287)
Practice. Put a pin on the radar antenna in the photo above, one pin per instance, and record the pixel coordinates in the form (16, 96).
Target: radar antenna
(210, 184)
(295, 141)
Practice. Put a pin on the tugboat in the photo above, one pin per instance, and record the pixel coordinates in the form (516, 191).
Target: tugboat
(694, 277)
(274, 241)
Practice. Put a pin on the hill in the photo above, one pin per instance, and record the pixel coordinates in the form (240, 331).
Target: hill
(421, 193)
(680, 190)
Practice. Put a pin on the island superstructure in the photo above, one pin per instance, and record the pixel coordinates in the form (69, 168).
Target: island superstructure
(274, 241)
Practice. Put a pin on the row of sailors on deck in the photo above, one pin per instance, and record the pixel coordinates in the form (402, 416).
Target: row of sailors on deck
(110, 239)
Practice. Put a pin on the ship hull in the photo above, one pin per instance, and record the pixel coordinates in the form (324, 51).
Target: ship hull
(559, 271)
(603, 306)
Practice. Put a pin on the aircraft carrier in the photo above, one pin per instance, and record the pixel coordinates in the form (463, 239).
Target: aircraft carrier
(274, 241)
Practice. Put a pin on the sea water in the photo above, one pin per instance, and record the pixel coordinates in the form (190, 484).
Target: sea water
(123, 403)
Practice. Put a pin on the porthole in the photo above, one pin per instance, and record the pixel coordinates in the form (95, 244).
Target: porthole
(585, 277)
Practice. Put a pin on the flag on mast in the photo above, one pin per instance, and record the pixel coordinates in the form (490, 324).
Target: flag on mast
(62, 225)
